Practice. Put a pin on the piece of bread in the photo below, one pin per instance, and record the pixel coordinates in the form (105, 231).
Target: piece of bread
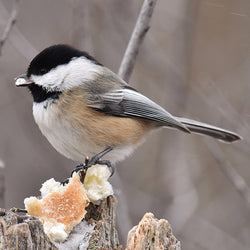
(61, 207)
(96, 183)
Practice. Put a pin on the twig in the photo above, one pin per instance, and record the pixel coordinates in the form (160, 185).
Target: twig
(10, 24)
(236, 179)
(139, 32)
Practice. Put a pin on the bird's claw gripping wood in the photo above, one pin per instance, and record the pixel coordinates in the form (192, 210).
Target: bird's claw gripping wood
(83, 167)
(95, 160)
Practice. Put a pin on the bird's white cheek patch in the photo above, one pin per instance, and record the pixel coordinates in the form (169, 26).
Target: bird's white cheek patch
(51, 80)
(68, 75)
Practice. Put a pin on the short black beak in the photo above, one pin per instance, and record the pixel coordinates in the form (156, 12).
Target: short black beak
(23, 80)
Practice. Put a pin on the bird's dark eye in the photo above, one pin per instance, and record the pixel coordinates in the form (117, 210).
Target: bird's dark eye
(43, 71)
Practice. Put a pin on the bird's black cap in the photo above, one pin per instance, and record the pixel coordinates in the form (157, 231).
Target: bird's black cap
(53, 56)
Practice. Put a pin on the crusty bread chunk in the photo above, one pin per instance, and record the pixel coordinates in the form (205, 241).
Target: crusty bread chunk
(60, 208)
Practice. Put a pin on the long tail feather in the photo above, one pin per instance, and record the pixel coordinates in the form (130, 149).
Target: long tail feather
(206, 129)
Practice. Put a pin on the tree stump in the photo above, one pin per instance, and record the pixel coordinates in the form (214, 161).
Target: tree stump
(152, 234)
(21, 231)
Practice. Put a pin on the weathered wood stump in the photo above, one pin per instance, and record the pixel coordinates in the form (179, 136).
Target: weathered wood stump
(21, 231)
(152, 234)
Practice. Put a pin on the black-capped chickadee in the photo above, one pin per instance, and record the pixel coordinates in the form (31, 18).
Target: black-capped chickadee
(83, 108)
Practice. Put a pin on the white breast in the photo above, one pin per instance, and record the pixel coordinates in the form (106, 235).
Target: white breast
(67, 140)
(59, 132)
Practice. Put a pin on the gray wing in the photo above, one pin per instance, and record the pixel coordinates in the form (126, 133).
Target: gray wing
(127, 102)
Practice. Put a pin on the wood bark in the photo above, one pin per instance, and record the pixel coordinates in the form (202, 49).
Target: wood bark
(152, 234)
(103, 215)
(21, 231)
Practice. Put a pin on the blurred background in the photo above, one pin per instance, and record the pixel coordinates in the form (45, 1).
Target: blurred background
(194, 61)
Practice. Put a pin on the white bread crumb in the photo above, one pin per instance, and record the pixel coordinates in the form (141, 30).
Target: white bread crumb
(51, 186)
(20, 81)
(96, 183)
(55, 231)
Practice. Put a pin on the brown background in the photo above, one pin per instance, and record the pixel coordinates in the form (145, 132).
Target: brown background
(194, 62)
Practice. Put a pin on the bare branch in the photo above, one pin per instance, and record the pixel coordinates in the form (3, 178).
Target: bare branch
(10, 23)
(236, 179)
(137, 37)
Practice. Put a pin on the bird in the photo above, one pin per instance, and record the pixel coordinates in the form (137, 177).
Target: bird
(85, 109)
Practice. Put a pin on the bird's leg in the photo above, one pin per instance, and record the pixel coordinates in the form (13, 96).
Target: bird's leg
(83, 167)
(96, 160)
(78, 168)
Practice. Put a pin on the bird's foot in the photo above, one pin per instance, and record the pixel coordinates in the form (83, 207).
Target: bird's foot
(83, 167)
